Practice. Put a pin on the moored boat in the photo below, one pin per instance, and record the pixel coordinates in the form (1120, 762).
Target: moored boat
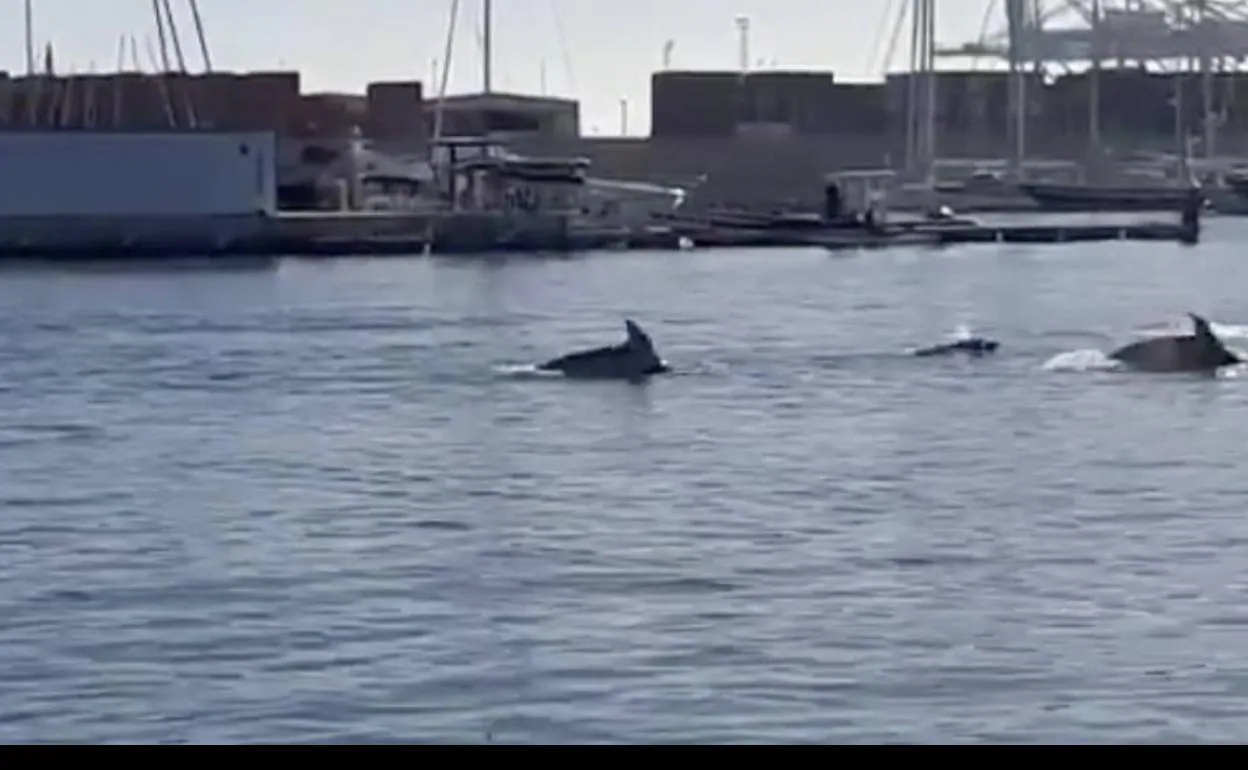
(1081, 198)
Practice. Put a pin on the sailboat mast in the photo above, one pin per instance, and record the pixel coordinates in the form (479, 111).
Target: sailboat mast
(1210, 123)
(487, 43)
(921, 109)
(1016, 16)
(929, 117)
(912, 89)
(199, 32)
(1094, 89)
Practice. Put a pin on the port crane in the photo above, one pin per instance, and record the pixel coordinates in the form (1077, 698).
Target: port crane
(1048, 36)
(1161, 33)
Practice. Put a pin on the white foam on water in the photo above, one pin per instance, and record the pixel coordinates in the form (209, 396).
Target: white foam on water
(1084, 360)
(525, 371)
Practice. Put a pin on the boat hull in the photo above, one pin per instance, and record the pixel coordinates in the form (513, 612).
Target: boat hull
(1081, 198)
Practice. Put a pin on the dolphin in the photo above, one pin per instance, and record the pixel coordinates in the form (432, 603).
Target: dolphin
(634, 359)
(974, 346)
(1200, 351)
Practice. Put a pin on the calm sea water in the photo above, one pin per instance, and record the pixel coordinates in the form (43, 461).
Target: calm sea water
(317, 502)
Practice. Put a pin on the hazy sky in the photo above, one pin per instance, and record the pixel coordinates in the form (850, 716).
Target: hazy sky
(598, 51)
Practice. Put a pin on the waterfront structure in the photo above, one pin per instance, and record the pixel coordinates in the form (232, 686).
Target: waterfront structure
(70, 187)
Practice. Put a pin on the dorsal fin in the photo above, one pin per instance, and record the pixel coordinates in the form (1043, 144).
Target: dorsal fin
(1202, 331)
(637, 339)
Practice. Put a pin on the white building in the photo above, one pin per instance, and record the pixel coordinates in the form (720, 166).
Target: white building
(68, 185)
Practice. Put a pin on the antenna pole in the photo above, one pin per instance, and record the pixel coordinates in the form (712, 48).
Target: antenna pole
(487, 42)
(743, 43)
(30, 38)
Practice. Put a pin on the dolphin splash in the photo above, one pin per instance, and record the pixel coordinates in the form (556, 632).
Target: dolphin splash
(634, 359)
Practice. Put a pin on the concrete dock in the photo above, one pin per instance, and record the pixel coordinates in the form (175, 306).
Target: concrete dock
(366, 233)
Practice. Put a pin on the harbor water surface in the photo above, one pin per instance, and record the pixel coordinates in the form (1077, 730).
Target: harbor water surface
(322, 503)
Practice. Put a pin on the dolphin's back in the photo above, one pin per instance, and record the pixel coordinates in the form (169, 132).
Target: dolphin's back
(973, 345)
(1199, 351)
(633, 359)
(1171, 354)
(598, 359)
(1155, 352)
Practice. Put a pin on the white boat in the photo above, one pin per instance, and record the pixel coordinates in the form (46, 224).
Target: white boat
(469, 173)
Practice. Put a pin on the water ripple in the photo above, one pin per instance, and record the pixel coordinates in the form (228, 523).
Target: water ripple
(305, 505)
